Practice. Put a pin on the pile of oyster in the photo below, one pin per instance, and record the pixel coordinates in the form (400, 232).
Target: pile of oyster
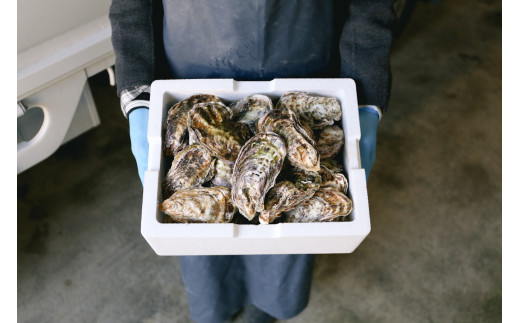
(253, 162)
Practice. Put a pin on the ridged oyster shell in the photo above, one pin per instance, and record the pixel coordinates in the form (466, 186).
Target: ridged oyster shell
(330, 140)
(332, 164)
(301, 151)
(191, 167)
(210, 124)
(250, 109)
(333, 179)
(255, 171)
(223, 172)
(176, 125)
(325, 205)
(317, 111)
(286, 194)
(199, 205)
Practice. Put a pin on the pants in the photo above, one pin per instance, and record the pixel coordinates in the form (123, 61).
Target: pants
(219, 286)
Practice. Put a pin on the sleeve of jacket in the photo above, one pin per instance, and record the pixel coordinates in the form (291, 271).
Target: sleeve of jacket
(133, 42)
(365, 44)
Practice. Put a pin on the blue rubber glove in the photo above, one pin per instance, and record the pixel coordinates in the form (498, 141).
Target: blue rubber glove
(368, 119)
(138, 121)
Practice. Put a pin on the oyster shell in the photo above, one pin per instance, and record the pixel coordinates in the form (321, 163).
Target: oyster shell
(330, 141)
(256, 168)
(191, 167)
(300, 147)
(308, 130)
(333, 179)
(325, 205)
(250, 109)
(223, 172)
(332, 164)
(176, 124)
(200, 204)
(317, 111)
(210, 124)
(287, 194)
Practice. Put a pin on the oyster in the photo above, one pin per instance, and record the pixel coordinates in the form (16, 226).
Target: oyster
(333, 179)
(317, 111)
(287, 194)
(255, 171)
(250, 109)
(300, 147)
(200, 204)
(191, 167)
(332, 164)
(308, 130)
(210, 124)
(330, 141)
(325, 205)
(223, 172)
(176, 125)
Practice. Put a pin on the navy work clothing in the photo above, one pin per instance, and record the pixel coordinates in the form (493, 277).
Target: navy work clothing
(253, 40)
(219, 286)
(247, 39)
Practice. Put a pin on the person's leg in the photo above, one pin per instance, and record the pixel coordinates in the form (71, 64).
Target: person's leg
(253, 314)
(214, 287)
(279, 284)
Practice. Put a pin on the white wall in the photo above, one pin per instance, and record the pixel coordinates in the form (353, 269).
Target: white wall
(41, 20)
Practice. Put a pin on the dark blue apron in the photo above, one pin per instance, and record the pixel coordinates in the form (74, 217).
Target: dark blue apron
(247, 40)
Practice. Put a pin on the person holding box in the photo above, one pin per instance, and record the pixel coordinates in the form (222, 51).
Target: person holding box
(251, 40)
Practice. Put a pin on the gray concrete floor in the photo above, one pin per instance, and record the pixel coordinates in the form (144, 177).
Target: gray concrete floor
(434, 252)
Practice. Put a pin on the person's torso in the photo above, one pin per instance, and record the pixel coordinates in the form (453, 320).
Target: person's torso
(248, 40)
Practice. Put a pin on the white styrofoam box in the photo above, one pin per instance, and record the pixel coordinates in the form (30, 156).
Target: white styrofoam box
(228, 238)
